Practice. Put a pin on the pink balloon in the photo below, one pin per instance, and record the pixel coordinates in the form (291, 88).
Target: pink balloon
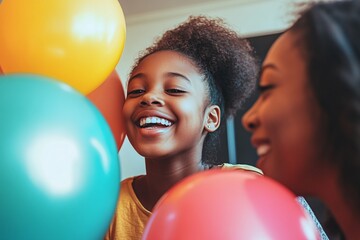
(221, 204)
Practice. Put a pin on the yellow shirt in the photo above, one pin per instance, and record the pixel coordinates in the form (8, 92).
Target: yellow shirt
(131, 216)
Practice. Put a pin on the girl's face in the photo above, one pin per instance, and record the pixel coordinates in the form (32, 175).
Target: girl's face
(285, 121)
(166, 110)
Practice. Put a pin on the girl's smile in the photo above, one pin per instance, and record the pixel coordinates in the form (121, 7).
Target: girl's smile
(152, 123)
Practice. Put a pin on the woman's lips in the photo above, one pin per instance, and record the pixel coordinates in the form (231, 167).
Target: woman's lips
(262, 149)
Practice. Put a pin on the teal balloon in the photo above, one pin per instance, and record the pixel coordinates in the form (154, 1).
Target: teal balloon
(59, 168)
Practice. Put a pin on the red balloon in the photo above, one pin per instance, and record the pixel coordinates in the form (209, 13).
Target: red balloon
(1, 71)
(109, 99)
(221, 204)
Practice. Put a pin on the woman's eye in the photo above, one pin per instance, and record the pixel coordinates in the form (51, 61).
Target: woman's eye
(264, 88)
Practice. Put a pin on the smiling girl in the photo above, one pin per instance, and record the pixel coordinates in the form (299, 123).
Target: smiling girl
(178, 92)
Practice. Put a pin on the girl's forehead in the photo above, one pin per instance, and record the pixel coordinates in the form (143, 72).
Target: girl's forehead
(162, 65)
(170, 55)
(166, 60)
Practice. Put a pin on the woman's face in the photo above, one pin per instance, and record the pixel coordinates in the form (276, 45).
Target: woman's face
(166, 106)
(285, 120)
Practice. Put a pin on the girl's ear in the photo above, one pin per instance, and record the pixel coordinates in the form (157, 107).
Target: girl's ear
(213, 116)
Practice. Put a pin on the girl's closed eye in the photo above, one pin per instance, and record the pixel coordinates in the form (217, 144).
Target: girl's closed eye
(175, 91)
(135, 92)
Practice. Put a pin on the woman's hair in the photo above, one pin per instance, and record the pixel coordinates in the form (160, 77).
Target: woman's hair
(225, 60)
(329, 34)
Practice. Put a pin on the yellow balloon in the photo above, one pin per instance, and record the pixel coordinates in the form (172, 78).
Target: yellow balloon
(78, 42)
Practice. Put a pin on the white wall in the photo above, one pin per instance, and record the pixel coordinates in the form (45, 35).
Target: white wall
(248, 17)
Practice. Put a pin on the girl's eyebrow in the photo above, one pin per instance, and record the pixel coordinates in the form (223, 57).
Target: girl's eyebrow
(170, 74)
(138, 75)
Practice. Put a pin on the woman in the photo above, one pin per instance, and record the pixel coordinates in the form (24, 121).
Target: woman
(306, 122)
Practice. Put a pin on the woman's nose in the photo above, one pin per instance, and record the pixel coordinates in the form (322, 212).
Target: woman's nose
(250, 119)
(151, 98)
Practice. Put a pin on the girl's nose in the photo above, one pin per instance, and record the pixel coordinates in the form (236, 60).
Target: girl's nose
(250, 119)
(151, 98)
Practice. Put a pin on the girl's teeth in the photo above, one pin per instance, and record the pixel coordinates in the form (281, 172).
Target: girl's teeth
(154, 120)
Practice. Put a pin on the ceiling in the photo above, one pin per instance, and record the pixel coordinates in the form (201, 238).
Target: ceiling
(131, 7)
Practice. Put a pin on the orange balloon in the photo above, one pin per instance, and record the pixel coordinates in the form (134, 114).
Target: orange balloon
(78, 42)
(109, 99)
